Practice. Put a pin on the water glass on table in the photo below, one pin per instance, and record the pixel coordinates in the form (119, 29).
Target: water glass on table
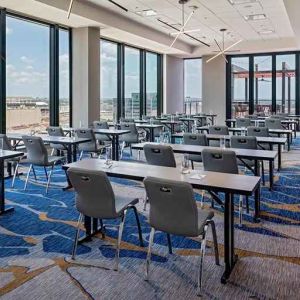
(185, 164)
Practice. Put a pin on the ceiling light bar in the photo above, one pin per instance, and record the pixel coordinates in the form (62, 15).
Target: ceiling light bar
(239, 2)
(266, 32)
(256, 17)
(70, 8)
(147, 13)
(118, 5)
(186, 31)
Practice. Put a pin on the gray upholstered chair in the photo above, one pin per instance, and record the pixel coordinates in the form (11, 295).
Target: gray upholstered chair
(56, 131)
(159, 155)
(259, 132)
(102, 138)
(126, 120)
(173, 210)
(219, 130)
(91, 147)
(274, 123)
(95, 198)
(197, 140)
(37, 155)
(129, 138)
(222, 161)
(243, 122)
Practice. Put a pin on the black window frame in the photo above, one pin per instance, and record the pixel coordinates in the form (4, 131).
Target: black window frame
(53, 66)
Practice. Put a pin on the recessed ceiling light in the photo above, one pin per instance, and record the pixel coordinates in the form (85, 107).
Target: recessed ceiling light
(238, 2)
(266, 32)
(255, 17)
(147, 13)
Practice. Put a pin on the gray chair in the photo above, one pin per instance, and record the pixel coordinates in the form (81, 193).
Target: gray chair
(56, 131)
(243, 122)
(102, 138)
(95, 198)
(91, 147)
(126, 120)
(274, 123)
(129, 138)
(197, 140)
(260, 132)
(173, 210)
(159, 155)
(219, 130)
(37, 155)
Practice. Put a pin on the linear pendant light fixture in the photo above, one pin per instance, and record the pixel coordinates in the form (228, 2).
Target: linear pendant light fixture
(223, 50)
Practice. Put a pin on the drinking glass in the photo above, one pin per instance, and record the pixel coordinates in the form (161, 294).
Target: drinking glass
(223, 142)
(108, 156)
(185, 164)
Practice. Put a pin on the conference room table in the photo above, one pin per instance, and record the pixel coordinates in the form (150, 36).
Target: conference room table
(271, 141)
(210, 117)
(243, 130)
(70, 143)
(189, 122)
(230, 184)
(5, 154)
(242, 154)
(150, 128)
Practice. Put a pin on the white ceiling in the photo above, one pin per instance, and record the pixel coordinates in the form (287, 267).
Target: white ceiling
(210, 17)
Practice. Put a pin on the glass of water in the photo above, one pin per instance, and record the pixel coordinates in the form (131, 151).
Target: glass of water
(185, 164)
(108, 156)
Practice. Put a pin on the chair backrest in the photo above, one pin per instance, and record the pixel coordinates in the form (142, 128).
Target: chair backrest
(273, 123)
(100, 125)
(243, 122)
(159, 155)
(195, 139)
(223, 161)
(89, 134)
(94, 194)
(55, 131)
(129, 126)
(243, 142)
(126, 120)
(173, 208)
(258, 131)
(36, 151)
(6, 145)
(218, 130)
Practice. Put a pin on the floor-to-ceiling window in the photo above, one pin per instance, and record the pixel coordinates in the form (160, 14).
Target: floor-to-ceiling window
(151, 84)
(132, 83)
(286, 83)
(240, 86)
(64, 77)
(27, 75)
(109, 80)
(193, 85)
(263, 84)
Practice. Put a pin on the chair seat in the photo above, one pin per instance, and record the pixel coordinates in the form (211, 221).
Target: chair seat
(122, 202)
(203, 217)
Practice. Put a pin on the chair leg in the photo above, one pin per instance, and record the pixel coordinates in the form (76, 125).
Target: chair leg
(148, 260)
(138, 225)
(49, 178)
(15, 175)
(46, 173)
(169, 243)
(130, 148)
(202, 253)
(119, 240)
(34, 174)
(81, 154)
(215, 240)
(247, 204)
(76, 237)
(145, 202)
(202, 198)
(241, 210)
(263, 173)
(27, 177)
(52, 152)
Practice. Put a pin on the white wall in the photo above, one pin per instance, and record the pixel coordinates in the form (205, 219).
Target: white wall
(214, 87)
(173, 84)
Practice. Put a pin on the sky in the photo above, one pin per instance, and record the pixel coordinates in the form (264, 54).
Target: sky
(193, 78)
(27, 61)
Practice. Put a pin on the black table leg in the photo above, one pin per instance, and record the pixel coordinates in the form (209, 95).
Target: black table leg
(257, 205)
(279, 157)
(74, 152)
(271, 173)
(3, 210)
(229, 256)
(69, 154)
(91, 229)
(152, 139)
(116, 143)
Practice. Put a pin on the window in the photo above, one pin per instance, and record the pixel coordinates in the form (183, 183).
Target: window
(193, 86)
(286, 83)
(132, 83)
(151, 84)
(64, 78)
(27, 75)
(109, 81)
(240, 86)
(263, 84)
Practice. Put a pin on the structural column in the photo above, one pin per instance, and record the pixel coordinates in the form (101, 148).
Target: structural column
(86, 76)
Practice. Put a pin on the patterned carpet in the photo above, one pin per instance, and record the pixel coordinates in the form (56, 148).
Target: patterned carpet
(36, 241)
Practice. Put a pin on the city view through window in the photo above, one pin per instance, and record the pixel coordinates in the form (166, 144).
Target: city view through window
(193, 86)
(27, 76)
